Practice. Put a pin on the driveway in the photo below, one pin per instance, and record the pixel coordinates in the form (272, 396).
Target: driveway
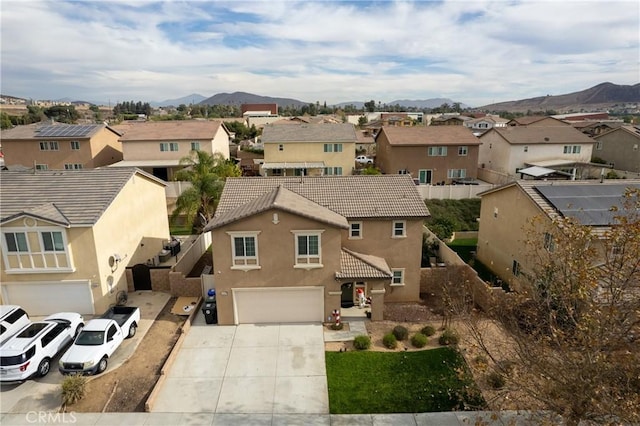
(248, 369)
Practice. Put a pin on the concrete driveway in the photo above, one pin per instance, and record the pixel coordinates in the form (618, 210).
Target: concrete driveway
(248, 369)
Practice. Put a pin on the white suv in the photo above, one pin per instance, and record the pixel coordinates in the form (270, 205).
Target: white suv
(30, 351)
(12, 319)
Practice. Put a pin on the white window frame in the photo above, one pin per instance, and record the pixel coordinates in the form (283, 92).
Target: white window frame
(456, 173)
(26, 260)
(244, 262)
(174, 146)
(75, 145)
(463, 150)
(549, 243)
(49, 146)
(355, 230)
(394, 228)
(397, 279)
(73, 166)
(337, 147)
(42, 167)
(328, 147)
(307, 261)
(195, 146)
(164, 146)
(437, 151)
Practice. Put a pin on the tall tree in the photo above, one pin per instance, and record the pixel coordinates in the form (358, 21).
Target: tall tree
(207, 174)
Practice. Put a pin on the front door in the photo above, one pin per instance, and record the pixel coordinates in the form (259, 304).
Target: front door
(141, 277)
(346, 299)
(424, 176)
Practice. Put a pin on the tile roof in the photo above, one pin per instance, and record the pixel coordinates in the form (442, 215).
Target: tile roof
(359, 196)
(280, 198)
(525, 135)
(66, 197)
(32, 131)
(357, 265)
(325, 132)
(429, 135)
(170, 130)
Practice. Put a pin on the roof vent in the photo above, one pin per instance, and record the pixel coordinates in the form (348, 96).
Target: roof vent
(546, 139)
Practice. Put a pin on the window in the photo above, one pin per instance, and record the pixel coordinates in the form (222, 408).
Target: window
(49, 146)
(571, 149)
(328, 147)
(515, 268)
(403, 172)
(333, 171)
(42, 167)
(173, 146)
(308, 249)
(300, 172)
(73, 166)
(355, 230)
(75, 145)
(111, 332)
(16, 242)
(483, 125)
(164, 146)
(244, 248)
(424, 176)
(437, 151)
(195, 146)
(280, 147)
(398, 277)
(463, 150)
(399, 229)
(526, 148)
(456, 173)
(549, 244)
(52, 241)
(337, 147)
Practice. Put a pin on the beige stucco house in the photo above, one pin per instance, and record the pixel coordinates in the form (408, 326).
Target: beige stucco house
(309, 149)
(506, 211)
(67, 236)
(58, 146)
(620, 147)
(294, 249)
(431, 154)
(157, 146)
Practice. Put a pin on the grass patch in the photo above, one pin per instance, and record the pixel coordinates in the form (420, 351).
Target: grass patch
(180, 229)
(464, 247)
(464, 242)
(400, 382)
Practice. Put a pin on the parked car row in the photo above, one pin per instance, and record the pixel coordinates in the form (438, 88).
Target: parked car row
(27, 347)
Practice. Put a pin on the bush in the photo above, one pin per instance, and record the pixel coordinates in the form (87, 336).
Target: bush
(389, 341)
(335, 326)
(73, 389)
(448, 337)
(419, 340)
(362, 342)
(428, 330)
(496, 380)
(400, 332)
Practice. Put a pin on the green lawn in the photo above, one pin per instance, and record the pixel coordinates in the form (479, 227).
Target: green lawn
(464, 247)
(398, 382)
(180, 229)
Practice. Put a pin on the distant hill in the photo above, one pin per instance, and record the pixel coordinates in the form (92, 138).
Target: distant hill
(603, 96)
(193, 98)
(239, 98)
(420, 104)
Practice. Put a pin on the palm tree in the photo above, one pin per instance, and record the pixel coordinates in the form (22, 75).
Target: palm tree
(207, 174)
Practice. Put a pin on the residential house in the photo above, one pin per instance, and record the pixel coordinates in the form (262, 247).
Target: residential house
(536, 120)
(57, 146)
(158, 146)
(366, 143)
(482, 124)
(431, 154)
(67, 236)
(594, 128)
(309, 149)
(509, 149)
(450, 120)
(507, 210)
(259, 114)
(620, 147)
(296, 249)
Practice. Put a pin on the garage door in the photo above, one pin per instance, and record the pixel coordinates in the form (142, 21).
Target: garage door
(45, 298)
(278, 305)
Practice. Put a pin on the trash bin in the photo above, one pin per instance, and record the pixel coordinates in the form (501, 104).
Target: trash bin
(210, 310)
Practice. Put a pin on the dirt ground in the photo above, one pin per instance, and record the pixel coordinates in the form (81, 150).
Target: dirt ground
(127, 388)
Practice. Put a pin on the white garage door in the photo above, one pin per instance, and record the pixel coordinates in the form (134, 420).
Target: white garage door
(45, 298)
(278, 304)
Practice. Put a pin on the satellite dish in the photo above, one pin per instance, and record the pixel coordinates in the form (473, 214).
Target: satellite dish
(113, 260)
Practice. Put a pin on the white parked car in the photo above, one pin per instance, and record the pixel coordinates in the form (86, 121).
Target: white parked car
(28, 353)
(12, 319)
(363, 159)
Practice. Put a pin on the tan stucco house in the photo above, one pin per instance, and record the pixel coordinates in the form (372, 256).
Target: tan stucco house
(309, 149)
(58, 146)
(67, 236)
(157, 146)
(431, 154)
(294, 249)
(506, 211)
(620, 147)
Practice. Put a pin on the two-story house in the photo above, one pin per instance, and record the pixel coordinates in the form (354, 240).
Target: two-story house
(482, 124)
(509, 149)
(507, 210)
(67, 236)
(431, 154)
(295, 249)
(309, 149)
(620, 147)
(58, 146)
(157, 146)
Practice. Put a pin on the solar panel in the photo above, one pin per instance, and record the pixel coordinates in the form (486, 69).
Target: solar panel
(589, 204)
(67, 130)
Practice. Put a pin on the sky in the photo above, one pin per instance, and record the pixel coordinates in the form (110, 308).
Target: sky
(475, 52)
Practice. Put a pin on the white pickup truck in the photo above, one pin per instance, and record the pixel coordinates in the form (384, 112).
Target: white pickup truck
(99, 339)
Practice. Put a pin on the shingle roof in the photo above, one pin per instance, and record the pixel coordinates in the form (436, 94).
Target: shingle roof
(360, 196)
(280, 198)
(429, 135)
(525, 135)
(325, 132)
(65, 131)
(357, 265)
(66, 197)
(170, 130)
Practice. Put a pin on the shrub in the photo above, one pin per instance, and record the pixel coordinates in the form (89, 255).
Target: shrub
(428, 330)
(480, 360)
(448, 337)
(496, 380)
(419, 340)
(335, 326)
(73, 389)
(362, 342)
(400, 332)
(389, 341)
